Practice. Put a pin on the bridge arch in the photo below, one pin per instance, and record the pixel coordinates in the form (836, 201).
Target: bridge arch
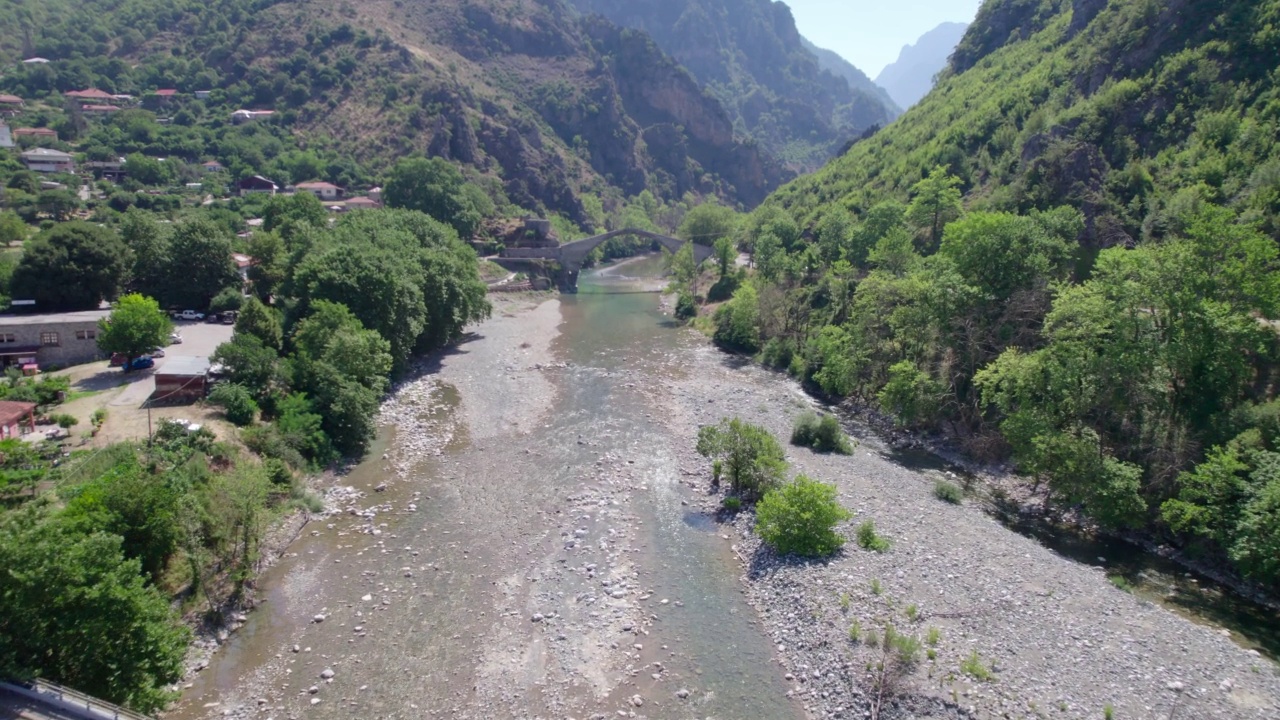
(572, 255)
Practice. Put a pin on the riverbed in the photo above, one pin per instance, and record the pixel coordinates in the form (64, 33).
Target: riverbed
(534, 537)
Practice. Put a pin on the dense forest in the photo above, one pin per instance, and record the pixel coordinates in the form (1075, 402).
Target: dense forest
(1066, 256)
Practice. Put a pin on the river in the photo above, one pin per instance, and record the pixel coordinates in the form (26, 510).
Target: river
(530, 539)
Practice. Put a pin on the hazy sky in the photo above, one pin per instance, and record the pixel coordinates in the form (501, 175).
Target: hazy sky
(870, 33)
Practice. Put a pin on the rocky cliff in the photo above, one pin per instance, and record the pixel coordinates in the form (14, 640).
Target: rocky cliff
(750, 56)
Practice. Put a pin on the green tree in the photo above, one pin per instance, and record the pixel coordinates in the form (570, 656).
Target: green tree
(834, 235)
(434, 186)
(249, 363)
(707, 223)
(683, 268)
(270, 264)
(880, 220)
(148, 171)
(148, 243)
(71, 266)
(800, 518)
(935, 202)
(750, 455)
(135, 327)
(738, 321)
(12, 229)
(726, 251)
(77, 612)
(262, 322)
(60, 205)
(200, 263)
(301, 208)
(227, 299)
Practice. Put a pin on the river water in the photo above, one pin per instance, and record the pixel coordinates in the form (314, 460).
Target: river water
(430, 616)
(537, 560)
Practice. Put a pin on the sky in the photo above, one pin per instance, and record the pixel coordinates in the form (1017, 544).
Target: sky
(870, 33)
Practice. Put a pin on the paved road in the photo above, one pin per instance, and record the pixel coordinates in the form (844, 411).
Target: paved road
(198, 339)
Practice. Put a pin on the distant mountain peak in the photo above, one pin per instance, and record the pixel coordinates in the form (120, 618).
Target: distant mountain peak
(910, 77)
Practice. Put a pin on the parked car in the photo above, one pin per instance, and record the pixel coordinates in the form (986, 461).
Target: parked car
(117, 359)
(140, 363)
(175, 339)
(189, 315)
(157, 353)
(229, 317)
(213, 318)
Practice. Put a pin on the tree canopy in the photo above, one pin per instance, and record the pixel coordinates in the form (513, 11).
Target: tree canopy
(135, 327)
(71, 266)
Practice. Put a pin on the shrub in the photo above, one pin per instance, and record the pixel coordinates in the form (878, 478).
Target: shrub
(236, 401)
(933, 637)
(973, 667)
(266, 441)
(732, 504)
(278, 471)
(778, 353)
(751, 455)
(227, 299)
(869, 540)
(99, 417)
(65, 421)
(686, 308)
(800, 518)
(855, 632)
(948, 492)
(821, 433)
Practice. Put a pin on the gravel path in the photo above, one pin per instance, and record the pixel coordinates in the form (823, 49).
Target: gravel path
(1060, 640)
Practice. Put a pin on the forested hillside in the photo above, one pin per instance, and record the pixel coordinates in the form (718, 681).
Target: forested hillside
(541, 106)
(750, 56)
(1066, 256)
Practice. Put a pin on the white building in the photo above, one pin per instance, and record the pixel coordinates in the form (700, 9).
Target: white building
(50, 161)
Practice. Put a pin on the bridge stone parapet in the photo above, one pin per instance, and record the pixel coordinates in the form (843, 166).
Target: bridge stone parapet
(572, 255)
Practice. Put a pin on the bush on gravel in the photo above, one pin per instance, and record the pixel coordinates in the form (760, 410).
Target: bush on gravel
(821, 433)
(800, 518)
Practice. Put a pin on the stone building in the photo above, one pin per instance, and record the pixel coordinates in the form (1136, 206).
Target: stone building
(51, 340)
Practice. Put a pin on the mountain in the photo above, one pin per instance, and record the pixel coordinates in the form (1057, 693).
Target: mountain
(750, 56)
(1064, 256)
(539, 104)
(1123, 110)
(910, 77)
(832, 62)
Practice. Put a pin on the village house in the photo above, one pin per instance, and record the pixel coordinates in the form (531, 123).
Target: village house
(212, 166)
(10, 105)
(158, 98)
(92, 95)
(35, 61)
(242, 116)
(256, 184)
(361, 203)
(322, 190)
(50, 340)
(17, 418)
(375, 194)
(35, 132)
(99, 110)
(49, 161)
(6, 137)
(203, 94)
(243, 263)
(112, 170)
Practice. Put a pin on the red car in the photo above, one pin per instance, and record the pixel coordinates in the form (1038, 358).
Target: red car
(117, 359)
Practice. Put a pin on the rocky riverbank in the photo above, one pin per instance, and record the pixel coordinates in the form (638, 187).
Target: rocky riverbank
(1021, 632)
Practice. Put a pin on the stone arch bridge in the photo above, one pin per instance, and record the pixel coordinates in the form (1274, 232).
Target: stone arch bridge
(572, 255)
